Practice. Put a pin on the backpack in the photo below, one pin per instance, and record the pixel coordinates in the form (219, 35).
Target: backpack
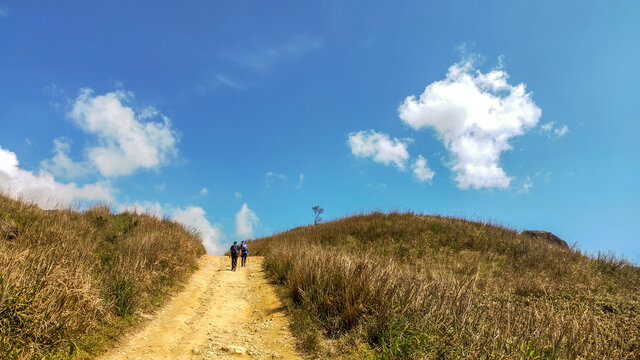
(234, 250)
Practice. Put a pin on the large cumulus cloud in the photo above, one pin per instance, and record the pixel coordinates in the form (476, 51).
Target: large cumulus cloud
(475, 115)
(126, 140)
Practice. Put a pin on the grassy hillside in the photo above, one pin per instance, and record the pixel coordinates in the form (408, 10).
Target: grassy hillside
(71, 282)
(398, 286)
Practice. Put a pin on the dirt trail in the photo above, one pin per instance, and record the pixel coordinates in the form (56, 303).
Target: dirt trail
(219, 315)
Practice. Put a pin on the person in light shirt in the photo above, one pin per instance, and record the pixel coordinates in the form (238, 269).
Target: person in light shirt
(244, 252)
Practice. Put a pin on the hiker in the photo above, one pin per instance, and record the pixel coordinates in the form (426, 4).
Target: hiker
(244, 251)
(233, 253)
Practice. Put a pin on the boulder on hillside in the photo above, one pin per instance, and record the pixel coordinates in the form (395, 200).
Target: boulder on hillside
(547, 236)
(8, 231)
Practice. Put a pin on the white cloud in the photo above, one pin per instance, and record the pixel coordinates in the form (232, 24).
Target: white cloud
(204, 191)
(43, 189)
(422, 172)
(561, 131)
(300, 180)
(246, 222)
(194, 217)
(296, 46)
(475, 115)
(61, 165)
(370, 144)
(126, 140)
(237, 195)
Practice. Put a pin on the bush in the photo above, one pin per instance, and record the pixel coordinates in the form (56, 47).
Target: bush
(69, 275)
(406, 286)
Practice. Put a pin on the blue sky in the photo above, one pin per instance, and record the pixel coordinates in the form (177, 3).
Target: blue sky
(237, 117)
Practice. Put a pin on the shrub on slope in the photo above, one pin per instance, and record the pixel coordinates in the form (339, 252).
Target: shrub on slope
(68, 275)
(396, 286)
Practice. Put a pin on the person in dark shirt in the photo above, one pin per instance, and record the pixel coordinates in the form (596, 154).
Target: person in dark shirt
(234, 251)
(244, 251)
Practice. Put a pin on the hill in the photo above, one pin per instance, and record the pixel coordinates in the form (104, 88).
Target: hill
(72, 281)
(408, 286)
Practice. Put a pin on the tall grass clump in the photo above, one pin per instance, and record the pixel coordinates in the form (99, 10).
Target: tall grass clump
(407, 286)
(72, 280)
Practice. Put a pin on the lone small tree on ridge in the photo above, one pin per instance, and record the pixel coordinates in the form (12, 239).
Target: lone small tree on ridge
(317, 211)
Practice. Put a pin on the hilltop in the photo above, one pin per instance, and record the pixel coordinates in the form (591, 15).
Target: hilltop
(375, 286)
(404, 285)
(72, 281)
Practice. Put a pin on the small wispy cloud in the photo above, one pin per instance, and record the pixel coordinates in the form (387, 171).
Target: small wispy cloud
(300, 181)
(227, 81)
(57, 97)
(4, 10)
(270, 176)
(204, 191)
(219, 81)
(545, 176)
(298, 45)
(378, 186)
(526, 186)
(551, 128)
(562, 131)
(237, 195)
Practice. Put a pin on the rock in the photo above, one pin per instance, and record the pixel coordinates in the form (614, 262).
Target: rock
(234, 349)
(547, 236)
(8, 230)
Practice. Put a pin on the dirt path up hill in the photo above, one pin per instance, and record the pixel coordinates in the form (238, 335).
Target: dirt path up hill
(219, 315)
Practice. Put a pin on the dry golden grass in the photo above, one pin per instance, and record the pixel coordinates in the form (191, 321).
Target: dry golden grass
(406, 286)
(68, 276)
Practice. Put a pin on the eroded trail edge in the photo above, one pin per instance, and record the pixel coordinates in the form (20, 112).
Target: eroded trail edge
(220, 314)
